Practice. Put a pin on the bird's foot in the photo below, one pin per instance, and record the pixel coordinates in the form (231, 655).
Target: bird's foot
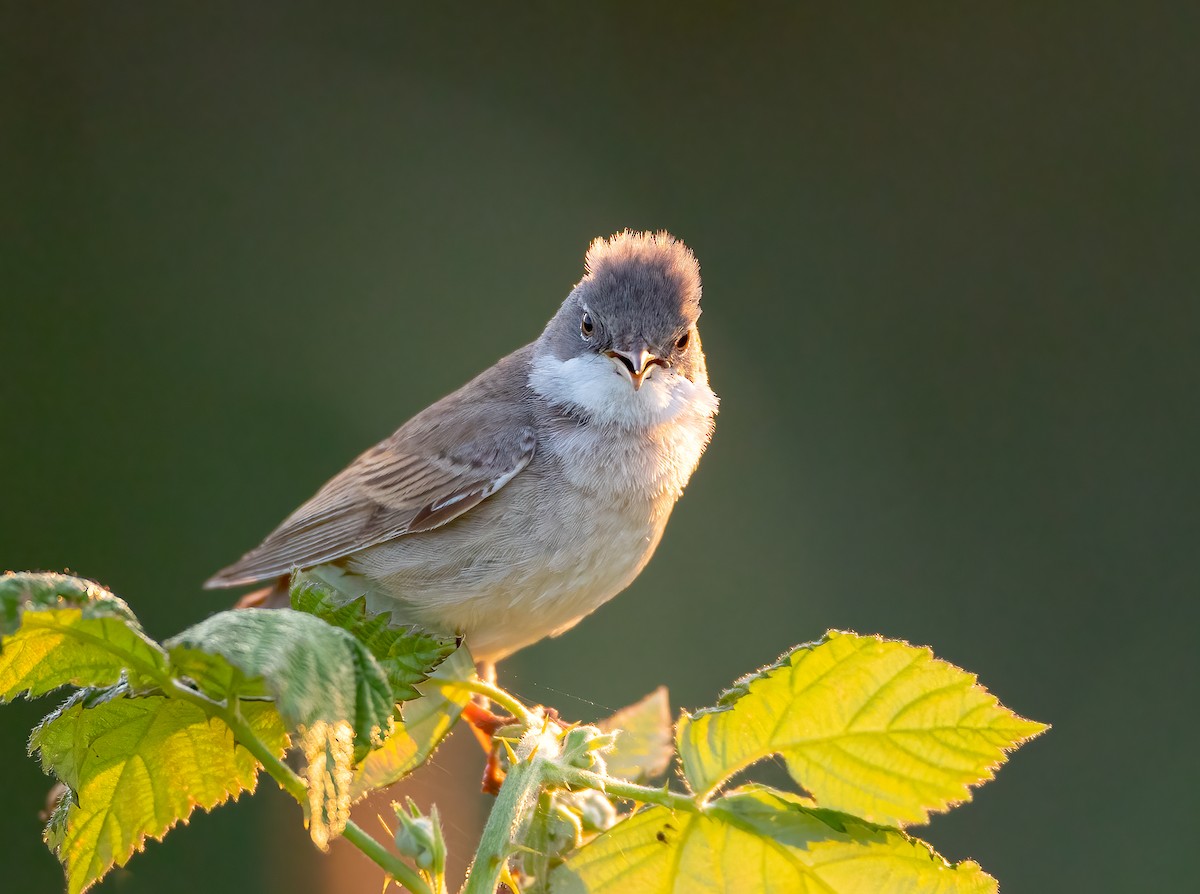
(485, 724)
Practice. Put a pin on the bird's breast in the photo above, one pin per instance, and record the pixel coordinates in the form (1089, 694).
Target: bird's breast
(648, 466)
(568, 533)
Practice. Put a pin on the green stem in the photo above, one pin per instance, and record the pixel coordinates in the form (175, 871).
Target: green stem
(245, 735)
(385, 859)
(572, 777)
(291, 783)
(537, 858)
(518, 793)
(507, 701)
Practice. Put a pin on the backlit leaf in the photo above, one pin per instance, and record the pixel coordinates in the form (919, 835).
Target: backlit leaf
(872, 727)
(646, 742)
(136, 766)
(758, 841)
(407, 654)
(57, 630)
(315, 672)
(427, 721)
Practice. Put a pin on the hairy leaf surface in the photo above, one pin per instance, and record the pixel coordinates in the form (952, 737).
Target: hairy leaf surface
(645, 744)
(759, 841)
(407, 654)
(57, 630)
(427, 721)
(315, 672)
(136, 766)
(873, 727)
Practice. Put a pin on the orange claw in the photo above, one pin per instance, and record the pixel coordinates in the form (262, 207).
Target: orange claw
(484, 725)
(484, 721)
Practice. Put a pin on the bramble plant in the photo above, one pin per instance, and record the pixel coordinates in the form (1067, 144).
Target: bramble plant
(877, 732)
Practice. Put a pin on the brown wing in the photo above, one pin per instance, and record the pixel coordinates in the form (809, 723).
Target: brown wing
(443, 462)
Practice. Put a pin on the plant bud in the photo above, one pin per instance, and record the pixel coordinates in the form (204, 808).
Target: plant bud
(420, 838)
(583, 746)
(595, 811)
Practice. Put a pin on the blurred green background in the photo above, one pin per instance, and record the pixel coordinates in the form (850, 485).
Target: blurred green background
(950, 275)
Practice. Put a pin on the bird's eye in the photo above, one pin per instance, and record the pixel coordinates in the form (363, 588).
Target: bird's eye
(682, 341)
(587, 327)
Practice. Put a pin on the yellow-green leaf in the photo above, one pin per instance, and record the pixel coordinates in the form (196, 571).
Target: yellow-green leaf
(57, 630)
(327, 686)
(760, 842)
(315, 671)
(645, 741)
(872, 727)
(406, 653)
(427, 721)
(137, 766)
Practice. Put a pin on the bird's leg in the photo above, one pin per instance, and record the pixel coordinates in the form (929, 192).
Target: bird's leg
(484, 723)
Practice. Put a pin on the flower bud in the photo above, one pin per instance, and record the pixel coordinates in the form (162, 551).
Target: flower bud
(420, 838)
(595, 811)
(582, 747)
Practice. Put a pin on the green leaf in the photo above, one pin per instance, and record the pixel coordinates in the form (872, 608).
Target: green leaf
(136, 766)
(314, 671)
(427, 721)
(760, 840)
(872, 727)
(57, 630)
(325, 683)
(645, 743)
(407, 654)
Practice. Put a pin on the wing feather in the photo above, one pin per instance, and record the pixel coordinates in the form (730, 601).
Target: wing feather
(438, 466)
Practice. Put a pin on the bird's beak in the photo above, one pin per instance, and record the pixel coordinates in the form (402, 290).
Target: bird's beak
(637, 363)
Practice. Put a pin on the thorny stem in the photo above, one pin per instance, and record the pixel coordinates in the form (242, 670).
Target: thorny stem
(523, 785)
(630, 791)
(521, 788)
(578, 778)
(385, 859)
(519, 792)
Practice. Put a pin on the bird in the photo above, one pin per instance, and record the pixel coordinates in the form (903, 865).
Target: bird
(514, 507)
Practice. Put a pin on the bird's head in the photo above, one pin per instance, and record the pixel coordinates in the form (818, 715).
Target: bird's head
(626, 333)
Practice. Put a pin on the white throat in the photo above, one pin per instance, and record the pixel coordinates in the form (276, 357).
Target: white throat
(592, 384)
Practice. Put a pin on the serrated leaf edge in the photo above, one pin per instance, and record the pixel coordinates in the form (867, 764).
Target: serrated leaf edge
(729, 699)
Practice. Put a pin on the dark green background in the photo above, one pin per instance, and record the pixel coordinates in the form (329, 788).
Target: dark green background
(950, 272)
